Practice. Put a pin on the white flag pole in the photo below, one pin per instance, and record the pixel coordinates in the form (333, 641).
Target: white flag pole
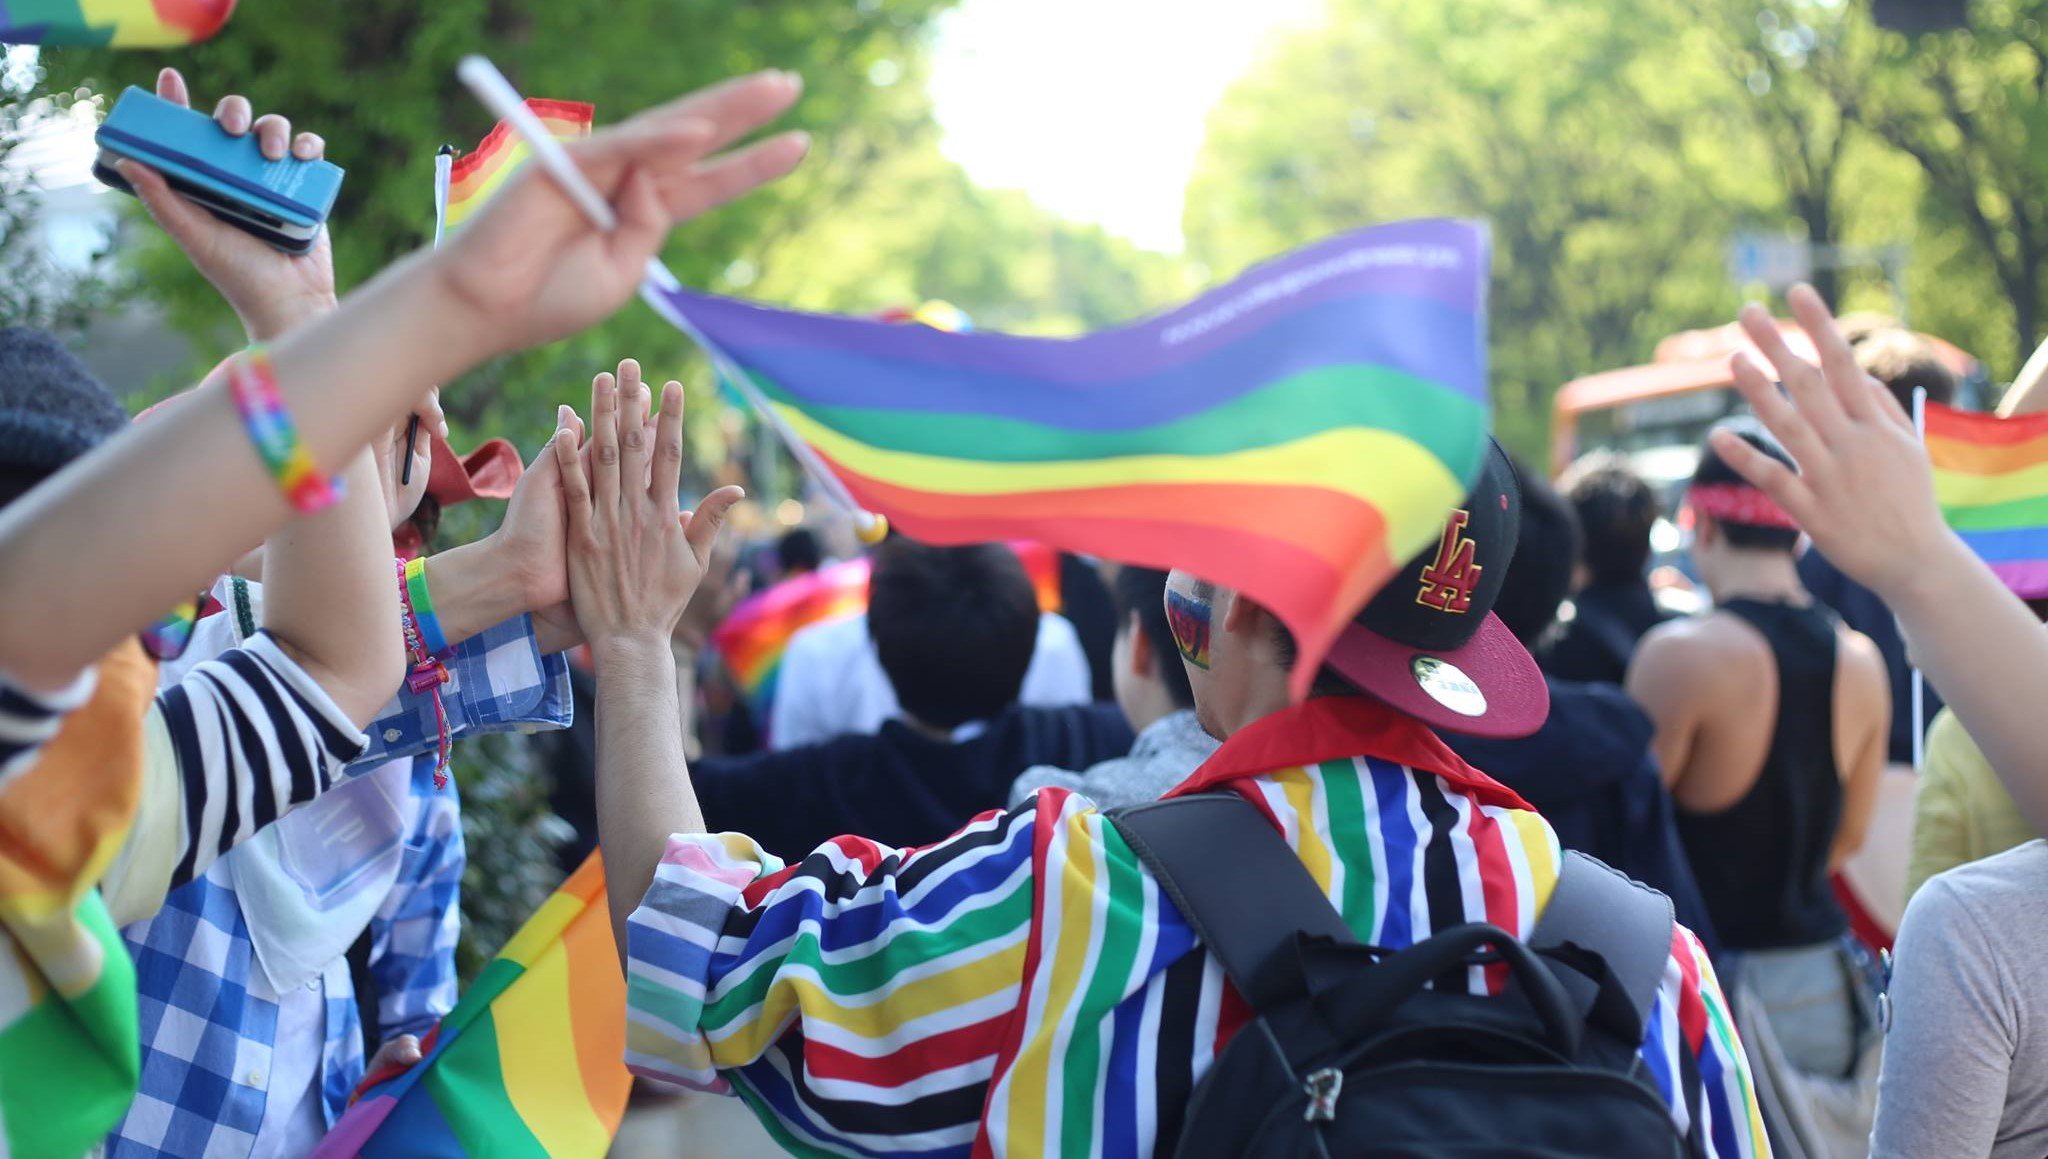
(1919, 679)
(443, 162)
(497, 94)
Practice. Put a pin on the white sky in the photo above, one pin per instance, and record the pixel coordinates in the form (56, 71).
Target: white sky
(1095, 107)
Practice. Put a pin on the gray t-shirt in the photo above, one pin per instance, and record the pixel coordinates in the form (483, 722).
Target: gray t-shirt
(1966, 1059)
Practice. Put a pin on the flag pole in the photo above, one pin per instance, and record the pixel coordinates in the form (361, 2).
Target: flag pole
(444, 162)
(497, 94)
(1919, 678)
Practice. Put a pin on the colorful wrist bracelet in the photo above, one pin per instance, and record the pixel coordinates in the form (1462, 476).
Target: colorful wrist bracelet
(253, 383)
(425, 672)
(422, 603)
(167, 638)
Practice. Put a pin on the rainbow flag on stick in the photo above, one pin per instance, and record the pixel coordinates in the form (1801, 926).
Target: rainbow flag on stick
(753, 638)
(1297, 433)
(531, 1062)
(112, 23)
(482, 171)
(1991, 478)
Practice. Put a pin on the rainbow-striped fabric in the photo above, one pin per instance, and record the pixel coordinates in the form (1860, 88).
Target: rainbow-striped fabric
(484, 170)
(753, 638)
(112, 23)
(1297, 433)
(1991, 478)
(1023, 988)
(70, 1051)
(529, 1063)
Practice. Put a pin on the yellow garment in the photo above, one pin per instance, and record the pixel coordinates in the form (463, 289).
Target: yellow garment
(1963, 813)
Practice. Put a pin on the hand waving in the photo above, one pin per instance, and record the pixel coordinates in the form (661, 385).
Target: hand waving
(271, 291)
(1863, 490)
(634, 558)
(531, 268)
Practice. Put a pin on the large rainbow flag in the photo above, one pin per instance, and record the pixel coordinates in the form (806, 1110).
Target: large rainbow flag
(1991, 478)
(112, 23)
(530, 1063)
(1297, 433)
(482, 171)
(754, 636)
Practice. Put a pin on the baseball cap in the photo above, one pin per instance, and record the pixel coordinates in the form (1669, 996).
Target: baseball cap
(1429, 644)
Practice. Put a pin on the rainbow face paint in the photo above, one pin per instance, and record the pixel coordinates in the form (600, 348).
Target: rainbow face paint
(1188, 617)
(168, 637)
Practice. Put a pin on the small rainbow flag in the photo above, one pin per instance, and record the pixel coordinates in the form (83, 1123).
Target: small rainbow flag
(1991, 478)
(531, 1062)
(753, 638)
(1296, 434)
(112, 23)
(479, 173)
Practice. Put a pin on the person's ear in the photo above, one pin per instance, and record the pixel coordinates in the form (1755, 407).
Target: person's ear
(1142, 662)
(1244, 614)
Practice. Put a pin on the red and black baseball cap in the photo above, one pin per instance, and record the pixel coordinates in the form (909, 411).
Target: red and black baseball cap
(1429, 644)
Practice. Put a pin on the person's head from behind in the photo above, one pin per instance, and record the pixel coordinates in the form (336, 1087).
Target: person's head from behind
(797, 552)
(1616, 508)
(1902, 360)
(954, 628)
(1146, 669)
(52, 410)
(1734, 522)
(1546, 554)
(1427, 645)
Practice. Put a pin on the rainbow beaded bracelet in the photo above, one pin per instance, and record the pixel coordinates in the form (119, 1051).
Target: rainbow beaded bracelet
(253, 383)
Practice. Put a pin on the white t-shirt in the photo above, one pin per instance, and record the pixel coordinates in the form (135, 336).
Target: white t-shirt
(832, 683)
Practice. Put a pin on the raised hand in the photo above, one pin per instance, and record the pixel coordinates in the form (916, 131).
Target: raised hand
(271, 291)
(1863, 490)
(531, 268)
(635, 559)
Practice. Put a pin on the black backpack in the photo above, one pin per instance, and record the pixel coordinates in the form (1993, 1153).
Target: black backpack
(1351, 1053)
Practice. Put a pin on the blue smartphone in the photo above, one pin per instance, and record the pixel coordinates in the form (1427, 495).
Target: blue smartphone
(283, 202)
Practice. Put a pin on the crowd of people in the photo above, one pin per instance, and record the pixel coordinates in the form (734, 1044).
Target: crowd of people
(935, 896)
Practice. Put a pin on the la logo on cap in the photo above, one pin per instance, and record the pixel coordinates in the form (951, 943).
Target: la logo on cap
(1449, 580)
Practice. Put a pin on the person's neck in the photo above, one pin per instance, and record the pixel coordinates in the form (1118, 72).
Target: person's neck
(931, 730)
(1767, 576)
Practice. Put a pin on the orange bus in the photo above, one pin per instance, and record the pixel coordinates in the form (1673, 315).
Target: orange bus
(1656, 414)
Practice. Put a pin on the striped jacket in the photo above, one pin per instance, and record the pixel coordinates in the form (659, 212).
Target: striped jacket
(1023, 988)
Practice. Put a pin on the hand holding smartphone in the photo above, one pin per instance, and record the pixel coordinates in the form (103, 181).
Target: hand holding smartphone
(283, 202)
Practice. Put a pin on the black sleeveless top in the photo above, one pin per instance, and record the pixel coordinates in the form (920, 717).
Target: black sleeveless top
(1762, 863)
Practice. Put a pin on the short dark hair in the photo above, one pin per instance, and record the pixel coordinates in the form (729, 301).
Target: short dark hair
(52, 409)
(1616, 508)
(1540, 574)
(1902, 360)
(1142, 590)
(1712, 470)
(954, 628)
(798, 551)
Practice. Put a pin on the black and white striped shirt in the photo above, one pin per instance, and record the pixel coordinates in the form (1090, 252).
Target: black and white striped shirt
(240, 740)
(254, 737)
(28, 722)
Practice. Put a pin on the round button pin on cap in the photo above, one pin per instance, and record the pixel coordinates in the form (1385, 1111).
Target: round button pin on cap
(1444, 683)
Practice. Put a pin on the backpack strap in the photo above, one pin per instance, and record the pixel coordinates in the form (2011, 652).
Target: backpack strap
(1602, 911)
(1235, 880)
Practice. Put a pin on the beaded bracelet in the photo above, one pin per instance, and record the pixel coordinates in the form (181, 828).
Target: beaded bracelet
(421, 602)
(253, 383)
(426, 673)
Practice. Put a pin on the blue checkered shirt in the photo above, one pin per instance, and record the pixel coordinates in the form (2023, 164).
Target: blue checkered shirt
(208, 1031)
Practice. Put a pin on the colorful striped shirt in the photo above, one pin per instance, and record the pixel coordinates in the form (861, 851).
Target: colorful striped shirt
(1023, 987)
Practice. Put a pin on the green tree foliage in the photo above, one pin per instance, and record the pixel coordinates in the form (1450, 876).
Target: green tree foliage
(1616, 149)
